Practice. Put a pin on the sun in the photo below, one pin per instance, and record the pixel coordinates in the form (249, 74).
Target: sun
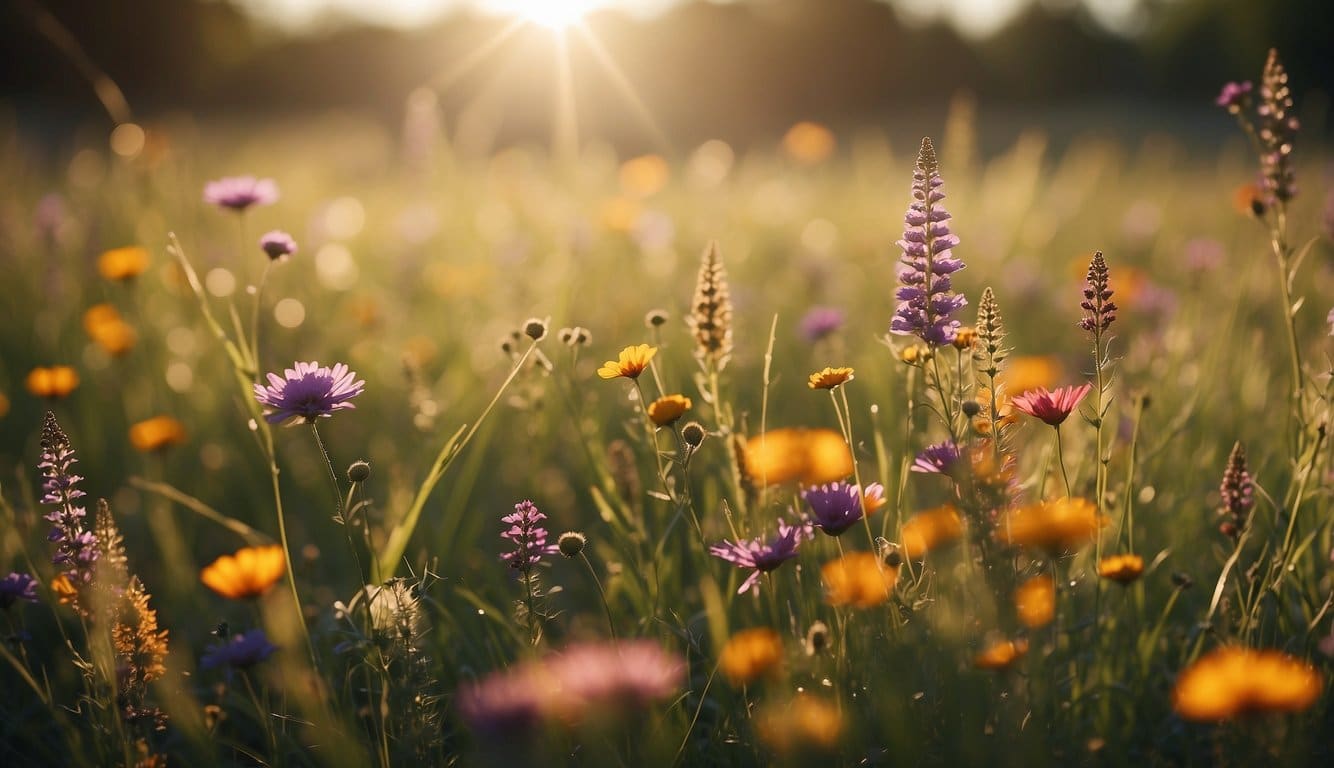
(553, 14)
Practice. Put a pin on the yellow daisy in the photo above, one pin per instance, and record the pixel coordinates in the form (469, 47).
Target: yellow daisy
(631, 362)
(830, 378)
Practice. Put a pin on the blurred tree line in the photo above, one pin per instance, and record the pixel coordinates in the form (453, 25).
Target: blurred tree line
(733, 70)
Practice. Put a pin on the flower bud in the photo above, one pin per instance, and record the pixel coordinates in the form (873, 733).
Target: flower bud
(359, 471)
(571, 543)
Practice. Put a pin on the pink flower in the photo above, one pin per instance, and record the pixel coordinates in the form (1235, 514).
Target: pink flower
(1051, 407)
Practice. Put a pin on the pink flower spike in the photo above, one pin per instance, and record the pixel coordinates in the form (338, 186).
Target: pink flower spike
(1051, 407)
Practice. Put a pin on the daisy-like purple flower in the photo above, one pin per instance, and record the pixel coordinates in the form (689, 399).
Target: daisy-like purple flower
(761, 555)
(528, 536)
(836, 507)
(17, 586)
(239, 651)
(937, 459)
(238, 193)
(277, 244)
(308, 392)
(926, 297)
(1051, 406)
(821, 322)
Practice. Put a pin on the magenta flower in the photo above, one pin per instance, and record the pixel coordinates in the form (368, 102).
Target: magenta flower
(308, 392)
(1051, 407)
(528, 536)
(821, 322)
(239, 651)
(836, 507)
(277, 244)
(761, 555)
(615, 677)
(937, 459)
(1234, 95)
(505, 705)
(238, 193)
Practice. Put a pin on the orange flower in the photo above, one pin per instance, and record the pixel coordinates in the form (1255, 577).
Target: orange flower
(965, 338)
(1027, 372)
(858, 579)
(805, 723)
(1001, 655)
(1035, 601)
(830, 378)
(1055, 525)
(156, 434)
(1005, 413)
(1122, 569)
(250, 572)
(667, 409)
(808, 143)
(811, 456)
(929, 530)
(750, 654)
(64, 589)
(4, 405)
(644, 176)
(123, 263)
(631, 362)
(54, 382)
(915, 354)
(1248, 200)
(106, 327)
(1235, 681)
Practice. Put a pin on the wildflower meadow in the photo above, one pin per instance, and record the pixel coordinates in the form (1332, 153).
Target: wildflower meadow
(328, 445)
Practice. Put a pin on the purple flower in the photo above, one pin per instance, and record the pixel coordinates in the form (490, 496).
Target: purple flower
(763, 556)
(308, 392)
(926, 298)
(528, 535)
(836, 507)
(1276, 128)
(239, 651)
(1203, 254)
(507, 704)
(937, 459)
(821, 322)
(17, 586)
(1234, 95)
(1237, 492)
(76, 546)
(1099, 310)
(616, 676)
(277, 244)
(240, 192)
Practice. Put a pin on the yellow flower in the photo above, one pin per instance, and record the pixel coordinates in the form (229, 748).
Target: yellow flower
(156, 434)
(858, 579)
(644, 176)
(1122, 569)
(632, 362)
(930, 530)
(1005, 414)
(1026, 372)
(667, 409)
(1056, 525)
(750, 654)
(123, 263)
(54, 382)
(964, 338)
(916, 354)
(809, 143)
(250, 572)
(830, 378)
(1235, 681)
(805, 723)
(1001, 655)
(810, 456)
(1035, 601)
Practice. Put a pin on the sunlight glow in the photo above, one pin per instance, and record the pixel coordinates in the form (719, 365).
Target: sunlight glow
(552, 14)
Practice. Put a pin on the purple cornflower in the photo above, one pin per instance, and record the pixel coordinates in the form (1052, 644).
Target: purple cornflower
(926, 300)
(1238, 494)
(308, 392)
(528, 535)
(239, 651)
(761, 555)
(821, 322)
(238, 193)
(836, 507)
(1234, 96)
(76, 547)
(939, 458)
(1099, 311)
(277, 244)
(17, 586)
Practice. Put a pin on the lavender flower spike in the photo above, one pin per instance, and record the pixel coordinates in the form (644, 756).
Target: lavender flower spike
(528, 535)
(926, 299)
(761, 555)
(308, 392)
(76, 546)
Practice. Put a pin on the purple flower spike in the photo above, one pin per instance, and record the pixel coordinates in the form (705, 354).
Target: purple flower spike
(308, 392)
(240, 651)
(277, 244)
(528, 535)
(937, 459)
(15, 587)
(238, 193)
(926, 298)
(820, 323)
(761, 555)
(76, 546)
(836, 507)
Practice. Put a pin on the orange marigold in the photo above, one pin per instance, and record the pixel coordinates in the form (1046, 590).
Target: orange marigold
(1229, 682)
(1001, 655)
(123, 263)
(810, 456)
(859, 579)
(667, 409)
(156, 434)
(1122, 569)
(1035, 601)
(1057, 525)
(54, 382)
(930, 530)
(250, 572)
(750, 654)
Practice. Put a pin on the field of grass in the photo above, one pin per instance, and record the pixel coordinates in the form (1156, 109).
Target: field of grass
(964, 621)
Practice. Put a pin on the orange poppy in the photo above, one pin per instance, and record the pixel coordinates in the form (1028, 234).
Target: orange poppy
(250, 572)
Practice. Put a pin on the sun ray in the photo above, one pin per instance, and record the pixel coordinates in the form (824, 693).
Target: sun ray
(463, 66)
(626, 89)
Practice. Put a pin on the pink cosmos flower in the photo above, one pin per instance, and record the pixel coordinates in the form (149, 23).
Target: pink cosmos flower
(1051, 407)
